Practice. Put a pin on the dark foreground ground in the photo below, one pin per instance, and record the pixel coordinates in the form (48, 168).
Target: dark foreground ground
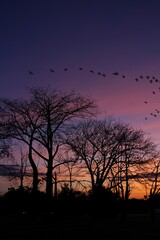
(137, 227)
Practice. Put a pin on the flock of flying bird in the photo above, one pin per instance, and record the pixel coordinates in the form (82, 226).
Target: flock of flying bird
(150, 80)
(80, 68)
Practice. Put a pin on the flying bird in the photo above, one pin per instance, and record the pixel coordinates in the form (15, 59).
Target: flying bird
(99, 73)
(123, 76)
(30, 72)
(115, 73)
(65, 69)
(103, 74)
(151, 81)
(91, 71)
(51, 70)
(145, 102)
(136, 79)
(80, 68)
(153, 92)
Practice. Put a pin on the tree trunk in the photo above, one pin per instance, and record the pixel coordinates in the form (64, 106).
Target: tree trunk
(35, 171)
(55, 185)
(49, 184)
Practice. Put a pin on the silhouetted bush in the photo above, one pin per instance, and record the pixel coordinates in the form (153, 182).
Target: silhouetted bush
(103, 203)
(19, 201)
(70, 202)
(138, 206)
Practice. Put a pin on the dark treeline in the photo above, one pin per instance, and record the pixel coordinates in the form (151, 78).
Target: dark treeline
(23, 206)
(35, 207)
(65, 133)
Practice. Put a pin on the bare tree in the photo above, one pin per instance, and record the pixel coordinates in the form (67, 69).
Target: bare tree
(71, 172)
(95, 143)
(20, 121)
(4, 141)
(110, 151)
(137, 151)
(22, 170)
(39, 121)
(56, 109)
(150, 177)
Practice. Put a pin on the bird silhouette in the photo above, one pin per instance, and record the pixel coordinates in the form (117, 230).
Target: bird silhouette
(80, 68)
(115, 73)
(146, 118)
(141, 76)
(30, 72)
(151, 81)
(123, 76)
(153, 92)
(65, 69)
(103, 74)
(91, 71)
(136, 79)
(51, 70)
(145, 102)
(99, 73)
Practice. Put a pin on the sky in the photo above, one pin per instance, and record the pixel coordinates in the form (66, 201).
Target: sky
(100, 36)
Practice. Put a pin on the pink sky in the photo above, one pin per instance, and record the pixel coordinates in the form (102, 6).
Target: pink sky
(104, 36)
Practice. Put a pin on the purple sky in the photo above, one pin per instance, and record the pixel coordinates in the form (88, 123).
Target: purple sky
(100, 35)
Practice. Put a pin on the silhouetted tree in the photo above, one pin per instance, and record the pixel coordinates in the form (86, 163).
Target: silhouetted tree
(21, 123)
(97, 144)
(153, 176)
(39, 121)
(137, 151)
(69, 171)
(56, 109)
(111, 152)
(4, 140)
(150, 179)
(22, 170)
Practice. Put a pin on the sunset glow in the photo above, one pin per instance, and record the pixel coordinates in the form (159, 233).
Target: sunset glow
(80, 45)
